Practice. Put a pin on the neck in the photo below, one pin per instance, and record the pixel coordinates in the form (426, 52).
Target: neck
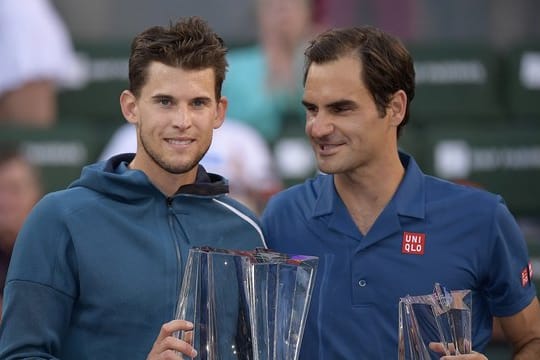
(366, 191)
(375, 179)
(168, 183)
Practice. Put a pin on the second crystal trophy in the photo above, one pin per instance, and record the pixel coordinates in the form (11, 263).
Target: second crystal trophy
(443, 317)
(246, 305)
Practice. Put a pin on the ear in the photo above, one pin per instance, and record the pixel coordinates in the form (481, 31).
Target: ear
(128, 104)
(397, 107)
(221, 111)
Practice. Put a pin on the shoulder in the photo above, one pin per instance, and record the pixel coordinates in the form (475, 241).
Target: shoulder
(442, 190)
(298, 198)
(71, 199)
(458, 202)
(47, 226)
(62, 201)
(56, 209)
(438, 192)
(239, 210)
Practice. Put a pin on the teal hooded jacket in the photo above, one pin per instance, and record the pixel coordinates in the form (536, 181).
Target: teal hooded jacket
(97, 268)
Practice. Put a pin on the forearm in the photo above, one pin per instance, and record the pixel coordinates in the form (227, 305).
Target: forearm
(530, 351)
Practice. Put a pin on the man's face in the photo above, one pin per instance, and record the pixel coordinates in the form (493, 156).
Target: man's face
(175, 116)
(19, 191)
(342, 121)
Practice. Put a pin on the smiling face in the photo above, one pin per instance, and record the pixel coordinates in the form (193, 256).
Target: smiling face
(175, 115)
(346, 130)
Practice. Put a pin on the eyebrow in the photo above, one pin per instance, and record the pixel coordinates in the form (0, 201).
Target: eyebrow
(162, 96)
(172, 98)
(342, 103)
(205, 98)
(306, 104)
(335, 104)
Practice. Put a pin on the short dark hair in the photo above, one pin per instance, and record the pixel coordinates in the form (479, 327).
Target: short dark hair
(189, 43)
(387, 65)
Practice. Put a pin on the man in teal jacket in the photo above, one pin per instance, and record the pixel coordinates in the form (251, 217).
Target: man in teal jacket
(97, 268)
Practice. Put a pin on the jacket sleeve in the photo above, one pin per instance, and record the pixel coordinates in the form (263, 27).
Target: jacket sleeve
(40, 287)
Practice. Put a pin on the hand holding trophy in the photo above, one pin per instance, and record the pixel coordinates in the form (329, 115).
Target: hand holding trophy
(433, 324)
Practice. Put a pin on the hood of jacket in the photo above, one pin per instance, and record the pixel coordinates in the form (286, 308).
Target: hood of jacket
(114, 179)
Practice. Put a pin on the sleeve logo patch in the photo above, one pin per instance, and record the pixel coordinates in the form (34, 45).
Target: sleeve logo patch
(413, 243)
(526, 275)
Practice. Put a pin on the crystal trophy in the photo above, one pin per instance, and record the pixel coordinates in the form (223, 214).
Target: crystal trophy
(245, 305)
(443, 317)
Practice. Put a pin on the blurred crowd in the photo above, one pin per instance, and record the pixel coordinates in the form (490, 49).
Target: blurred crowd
(46, 79)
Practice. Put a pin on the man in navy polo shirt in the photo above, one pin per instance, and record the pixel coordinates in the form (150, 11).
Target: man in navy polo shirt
(383, 229)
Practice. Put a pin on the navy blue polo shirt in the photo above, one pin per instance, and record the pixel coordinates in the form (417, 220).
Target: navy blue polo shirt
(431, 231)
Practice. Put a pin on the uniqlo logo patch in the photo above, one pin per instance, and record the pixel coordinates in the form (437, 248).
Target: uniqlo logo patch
(526, 275)
(413, 243)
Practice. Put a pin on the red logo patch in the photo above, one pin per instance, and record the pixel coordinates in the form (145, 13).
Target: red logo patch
(526, 275)
(413, 243)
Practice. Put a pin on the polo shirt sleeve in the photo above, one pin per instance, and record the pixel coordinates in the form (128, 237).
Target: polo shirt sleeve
(510, 288)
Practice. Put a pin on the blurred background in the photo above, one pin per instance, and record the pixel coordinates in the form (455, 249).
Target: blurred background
(474, 120)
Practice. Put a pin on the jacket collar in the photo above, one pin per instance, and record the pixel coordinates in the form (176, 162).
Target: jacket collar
(113, 176)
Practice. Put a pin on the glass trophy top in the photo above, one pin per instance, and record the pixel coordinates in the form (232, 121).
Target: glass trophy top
(442, 317)
(262, 256)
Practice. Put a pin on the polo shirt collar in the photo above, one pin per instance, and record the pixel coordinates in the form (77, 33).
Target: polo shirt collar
(326, 197)
(409, 199)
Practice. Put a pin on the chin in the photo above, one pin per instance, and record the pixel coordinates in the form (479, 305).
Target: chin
(333, 169)
(326, 169)
(181, 169)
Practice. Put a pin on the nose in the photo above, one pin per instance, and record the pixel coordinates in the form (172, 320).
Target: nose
(182, 118)
(318, 126)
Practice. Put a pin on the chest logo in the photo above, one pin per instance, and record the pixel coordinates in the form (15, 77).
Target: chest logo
(413, 243)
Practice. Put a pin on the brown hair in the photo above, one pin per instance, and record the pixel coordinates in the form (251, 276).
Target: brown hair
(387, 65)
(189, 43)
